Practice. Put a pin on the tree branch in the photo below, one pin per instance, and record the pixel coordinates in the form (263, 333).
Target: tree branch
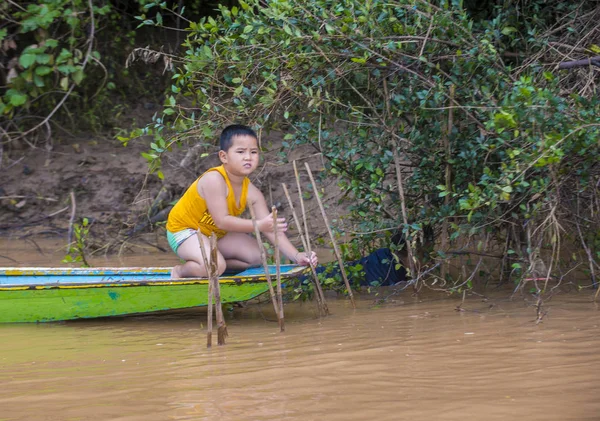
(590, 61)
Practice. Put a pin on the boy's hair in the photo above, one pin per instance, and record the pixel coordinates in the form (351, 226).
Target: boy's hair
(233, 130)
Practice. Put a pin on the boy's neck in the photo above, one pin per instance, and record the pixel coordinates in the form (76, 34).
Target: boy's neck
(235, 180)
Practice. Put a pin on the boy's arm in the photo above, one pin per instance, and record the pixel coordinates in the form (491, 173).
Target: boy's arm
(285, 246)
(213, 188)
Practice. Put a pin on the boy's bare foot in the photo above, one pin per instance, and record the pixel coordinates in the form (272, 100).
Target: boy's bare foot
(175, 272)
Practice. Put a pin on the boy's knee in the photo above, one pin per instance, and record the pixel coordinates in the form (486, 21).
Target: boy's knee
(255, 259)
(221, 265)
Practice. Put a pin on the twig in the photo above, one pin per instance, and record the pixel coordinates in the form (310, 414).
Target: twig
(426, 37)
(57, 212)
(460, 306)
(409, 249)
(270, 191)
(263, 257)
(333, 242)
(9, 258)
(71, 221)
(214, 279)
(322, 304)
(448, 176)
(49, 199)
(307, 246)
(299, 185)
(277, 267)
(539, 311)
(209, 326)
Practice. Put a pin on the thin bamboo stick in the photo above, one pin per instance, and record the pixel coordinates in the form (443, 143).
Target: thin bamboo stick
(409, 250)
(307, 248)
(277, 267)
(448, 180)
(209, 325)
(299, 185)
(322, 304)
(336, 249)
(214, 277)
(263, 257)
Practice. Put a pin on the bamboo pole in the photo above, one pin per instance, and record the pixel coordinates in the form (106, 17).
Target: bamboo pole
(209, 326)
(322, 304)
(277, 267)
(333, 242)
(448, 180)
(307, 248)
(214, 277)
(263, 257)
(409, 250)
(299, 185)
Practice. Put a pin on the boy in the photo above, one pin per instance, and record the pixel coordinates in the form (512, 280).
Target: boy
(214, 203)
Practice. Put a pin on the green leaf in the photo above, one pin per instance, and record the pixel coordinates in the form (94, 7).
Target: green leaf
(26, 60)
(507, 30)
(43, 70)
(39, 81)
(77, 76)
(64, 83)
(43, 58)
(16, 98)
(595, 48)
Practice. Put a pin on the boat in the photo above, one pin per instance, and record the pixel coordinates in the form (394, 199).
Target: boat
(56, 294)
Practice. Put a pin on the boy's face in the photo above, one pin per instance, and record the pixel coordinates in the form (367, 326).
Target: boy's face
(242, 156)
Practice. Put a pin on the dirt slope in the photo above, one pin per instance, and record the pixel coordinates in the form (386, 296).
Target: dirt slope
(112, 189)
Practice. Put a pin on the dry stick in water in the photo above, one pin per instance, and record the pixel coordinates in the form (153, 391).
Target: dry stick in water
(336, 249)
(409, 250)
(303, 210)
(277, 267)
(263, 258)
(214, 278)
(299, 185)
(210, 292)
(323, 309)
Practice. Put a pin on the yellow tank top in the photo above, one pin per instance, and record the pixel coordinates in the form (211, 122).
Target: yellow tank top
(191, 210)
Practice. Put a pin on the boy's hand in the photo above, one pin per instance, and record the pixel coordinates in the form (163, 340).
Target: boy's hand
(266, 224)
(305, 259)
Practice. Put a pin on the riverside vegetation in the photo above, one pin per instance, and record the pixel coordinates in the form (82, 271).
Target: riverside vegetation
(479, 119)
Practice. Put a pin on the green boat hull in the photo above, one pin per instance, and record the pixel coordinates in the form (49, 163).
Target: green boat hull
(57, 301)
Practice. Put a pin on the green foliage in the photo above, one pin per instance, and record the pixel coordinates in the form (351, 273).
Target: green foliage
(46, 64)
(59, 58)
(500, 155)
(76, 251)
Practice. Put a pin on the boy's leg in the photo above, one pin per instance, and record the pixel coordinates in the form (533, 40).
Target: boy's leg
(190, 251)
(239, 250)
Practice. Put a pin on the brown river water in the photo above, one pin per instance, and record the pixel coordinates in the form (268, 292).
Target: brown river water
(412, 358)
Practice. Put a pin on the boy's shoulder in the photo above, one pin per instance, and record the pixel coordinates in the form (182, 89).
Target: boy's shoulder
(211, 180)
(211, 175)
